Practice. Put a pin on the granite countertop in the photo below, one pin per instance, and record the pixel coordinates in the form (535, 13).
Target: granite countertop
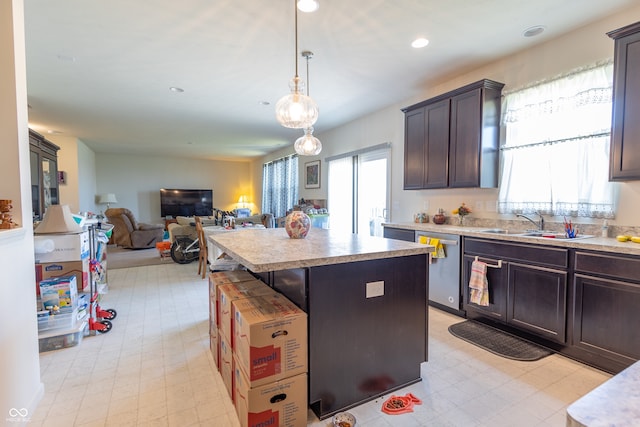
(596, 243)
(616, 402)
(271, 249)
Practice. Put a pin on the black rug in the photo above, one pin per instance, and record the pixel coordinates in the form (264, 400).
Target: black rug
(498, 342)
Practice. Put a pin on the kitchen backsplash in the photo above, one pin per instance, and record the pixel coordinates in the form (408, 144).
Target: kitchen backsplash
(518, 225)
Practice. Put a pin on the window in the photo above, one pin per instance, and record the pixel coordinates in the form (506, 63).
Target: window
(555, 158)
(280, 185)
(359, 190)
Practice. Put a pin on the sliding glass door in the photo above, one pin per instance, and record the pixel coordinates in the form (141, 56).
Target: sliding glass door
(359, 185)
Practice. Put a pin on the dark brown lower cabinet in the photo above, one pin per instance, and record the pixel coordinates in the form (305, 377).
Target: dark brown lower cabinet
(498, 288)
(537, 300)
(606, 306)
(527, 286)
(362, 343)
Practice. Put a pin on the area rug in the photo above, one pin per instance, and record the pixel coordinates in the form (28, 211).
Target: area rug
(118, 257)
(497, 341)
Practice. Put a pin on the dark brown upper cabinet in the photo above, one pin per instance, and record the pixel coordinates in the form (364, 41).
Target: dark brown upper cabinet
(451, 141)
(625, 131)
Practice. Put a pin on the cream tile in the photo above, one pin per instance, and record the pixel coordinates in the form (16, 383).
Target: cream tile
(154, 368)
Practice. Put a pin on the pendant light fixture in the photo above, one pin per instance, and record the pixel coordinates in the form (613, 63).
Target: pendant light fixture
(308, 145)
(296, 110)
(308, 5)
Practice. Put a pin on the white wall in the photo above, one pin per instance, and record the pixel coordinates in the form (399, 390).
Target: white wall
(136, 181)
(20, 385)
(68, 162)
(578, 48)
(86, 172)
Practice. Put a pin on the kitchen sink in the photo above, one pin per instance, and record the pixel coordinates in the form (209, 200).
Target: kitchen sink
(497, 231)
(535, 233)
(552, 235)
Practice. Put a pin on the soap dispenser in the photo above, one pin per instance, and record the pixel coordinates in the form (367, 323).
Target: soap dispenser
(605, 229)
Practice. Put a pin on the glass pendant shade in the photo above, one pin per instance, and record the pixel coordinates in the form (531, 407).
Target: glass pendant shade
(296, 110)
(308, 5)
(308, 145)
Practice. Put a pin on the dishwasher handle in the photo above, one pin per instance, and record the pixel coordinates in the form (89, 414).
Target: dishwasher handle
(449, 242)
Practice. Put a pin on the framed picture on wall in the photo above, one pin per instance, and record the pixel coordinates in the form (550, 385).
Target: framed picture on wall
(312, 174)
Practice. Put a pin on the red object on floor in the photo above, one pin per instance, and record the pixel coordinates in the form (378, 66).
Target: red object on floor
(400, 404)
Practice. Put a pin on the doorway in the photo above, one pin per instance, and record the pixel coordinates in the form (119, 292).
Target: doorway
(358, 194)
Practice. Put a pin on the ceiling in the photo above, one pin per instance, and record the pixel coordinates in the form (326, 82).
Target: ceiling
(101, 71)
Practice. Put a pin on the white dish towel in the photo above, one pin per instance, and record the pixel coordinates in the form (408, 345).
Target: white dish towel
(478, 284)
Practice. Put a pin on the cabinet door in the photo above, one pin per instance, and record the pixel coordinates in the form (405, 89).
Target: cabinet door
(399, 234)
(537, 300)
(436, 145)
(497, 285)
(464, 145)
(414, 149)
(625, 137)
(606, 318)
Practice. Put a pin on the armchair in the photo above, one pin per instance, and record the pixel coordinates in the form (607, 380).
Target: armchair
(129, 233)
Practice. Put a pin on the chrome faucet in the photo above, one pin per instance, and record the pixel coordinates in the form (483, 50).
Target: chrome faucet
(539, 223)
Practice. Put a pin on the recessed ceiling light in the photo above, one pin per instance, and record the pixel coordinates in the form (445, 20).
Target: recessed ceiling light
(419, 42)
(308, 5)
(53, 132)
(176, 89)
(534, 31)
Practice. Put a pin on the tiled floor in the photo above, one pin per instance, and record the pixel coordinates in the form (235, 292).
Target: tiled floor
(154, 369)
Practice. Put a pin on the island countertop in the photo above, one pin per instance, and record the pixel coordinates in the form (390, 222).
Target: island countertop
(271, 249)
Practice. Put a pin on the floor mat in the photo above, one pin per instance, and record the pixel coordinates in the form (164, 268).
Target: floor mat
(498, 342)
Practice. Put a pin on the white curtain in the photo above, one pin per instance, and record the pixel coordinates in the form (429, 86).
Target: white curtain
(280, 185)
(555, 158)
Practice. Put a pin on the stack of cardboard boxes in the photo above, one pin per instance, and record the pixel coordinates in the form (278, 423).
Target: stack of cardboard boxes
(259, 343)
(66, 255)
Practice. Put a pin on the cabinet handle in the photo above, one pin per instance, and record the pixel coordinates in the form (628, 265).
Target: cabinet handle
(498, 265)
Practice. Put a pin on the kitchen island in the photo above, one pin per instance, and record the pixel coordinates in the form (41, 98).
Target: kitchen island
(366, 301)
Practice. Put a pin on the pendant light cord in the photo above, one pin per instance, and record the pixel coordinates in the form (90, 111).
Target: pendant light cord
(308, 75)
(295, 11)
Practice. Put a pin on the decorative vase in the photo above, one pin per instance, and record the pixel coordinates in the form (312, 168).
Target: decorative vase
(439, 218)
(297, 225)
(460, 219)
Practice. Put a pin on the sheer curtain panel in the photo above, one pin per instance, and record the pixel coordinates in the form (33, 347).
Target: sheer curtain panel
(555, 157)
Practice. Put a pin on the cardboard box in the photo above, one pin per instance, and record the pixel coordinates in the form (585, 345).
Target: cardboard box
(214, 346)
(66, 247)
(79, 269)
(218, 278)
(280, 403)
(234, 291)
(270, 338)
(61, 292)
(226, 364)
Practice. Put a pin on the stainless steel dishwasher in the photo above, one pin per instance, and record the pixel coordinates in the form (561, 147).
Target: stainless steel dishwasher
(444, 273)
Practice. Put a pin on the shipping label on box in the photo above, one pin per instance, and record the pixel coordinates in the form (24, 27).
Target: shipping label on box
(61, 292)
(66, 247)
(270, 338)
(280, 403)
(79, 269)
(235, 291)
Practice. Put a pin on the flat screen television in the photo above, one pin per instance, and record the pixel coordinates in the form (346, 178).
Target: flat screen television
(182, 202)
